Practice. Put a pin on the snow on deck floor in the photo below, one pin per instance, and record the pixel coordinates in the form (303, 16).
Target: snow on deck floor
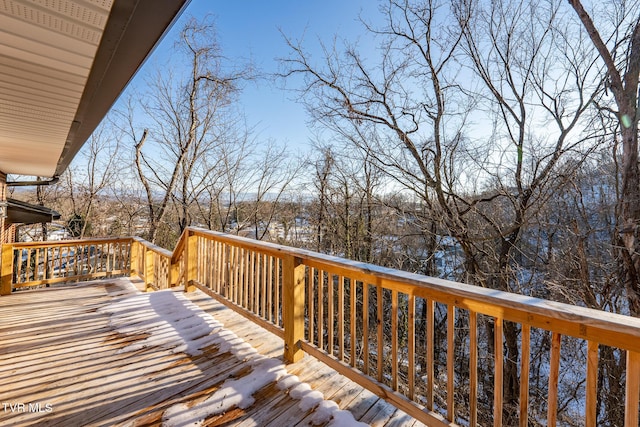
(173, 322)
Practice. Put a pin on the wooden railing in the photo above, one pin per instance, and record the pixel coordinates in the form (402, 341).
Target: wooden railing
(417, 341)
(44, 263)
(414, 340)
(153, 264)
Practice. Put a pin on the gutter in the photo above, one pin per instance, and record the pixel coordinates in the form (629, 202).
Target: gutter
(32, 183)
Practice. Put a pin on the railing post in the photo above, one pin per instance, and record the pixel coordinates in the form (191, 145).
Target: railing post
(149, 269)
(174, 273)
(293, 272)
(632, 392)
(134, 261)
(6, 274)
(192, 263)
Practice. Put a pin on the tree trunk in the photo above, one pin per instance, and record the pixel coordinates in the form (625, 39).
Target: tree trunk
(630, 217)
(624, 86)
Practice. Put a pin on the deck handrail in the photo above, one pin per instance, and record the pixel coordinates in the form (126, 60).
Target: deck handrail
(293, 289)
(363, 320)
(45, 263)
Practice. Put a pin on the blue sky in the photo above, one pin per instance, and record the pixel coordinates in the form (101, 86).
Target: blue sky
(252, 29)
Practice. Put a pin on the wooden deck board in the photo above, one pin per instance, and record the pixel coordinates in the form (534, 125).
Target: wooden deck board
(57, 348)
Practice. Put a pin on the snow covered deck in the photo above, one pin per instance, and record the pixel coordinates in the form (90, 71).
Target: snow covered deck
(101, 353)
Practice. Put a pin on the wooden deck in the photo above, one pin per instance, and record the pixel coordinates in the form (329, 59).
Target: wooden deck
(64, 364)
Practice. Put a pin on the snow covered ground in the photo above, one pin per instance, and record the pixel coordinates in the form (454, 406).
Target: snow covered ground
(173, 322)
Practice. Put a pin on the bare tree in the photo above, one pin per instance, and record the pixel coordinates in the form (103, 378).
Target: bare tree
(188, 114)
(620, 52)
(272, 174)
(440, 61)
(89, 178)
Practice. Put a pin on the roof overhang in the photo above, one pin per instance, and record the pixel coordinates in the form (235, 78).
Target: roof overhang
(19, 212)
(63, 63)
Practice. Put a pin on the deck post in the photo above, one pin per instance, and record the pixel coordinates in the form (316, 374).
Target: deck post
(293, 272)
(149, 269)
(192, 263)
(174, 273)
(632, 392)
(133, 258)
(6, 274)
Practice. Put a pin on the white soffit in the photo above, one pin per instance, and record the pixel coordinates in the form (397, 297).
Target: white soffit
(47, 49)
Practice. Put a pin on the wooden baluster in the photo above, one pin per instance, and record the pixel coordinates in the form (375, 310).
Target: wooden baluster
(341, 309)
(225, 276)
(451, 322)
(221, 268)
(380, 332)
(237, 275)
(554, 372)
(93, 252)
(525, 362)
(245, 278)
(27, 268)
(207, 263)
(330, 317)
(591, 401)
(67, 261)
(134, 269)
(233, 255)
(59, 259)
(252, 288)
(249, 270)
(36, 266)
(242, 287)
(278, 286)
(498, 367)
(473, 368)
(166, 271)
(228, 254)
(257, 284)
(365, 327)
(114, 257)
(353, 286)
(320, 325)
(430, 352)
(109, 259)
(411, 345)
(310, 308)
(394, 340)
(53, 260)
(19, 269)
(47, 270)
(270, 306)
(79, 262)
(215, 267)
(264, 264)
